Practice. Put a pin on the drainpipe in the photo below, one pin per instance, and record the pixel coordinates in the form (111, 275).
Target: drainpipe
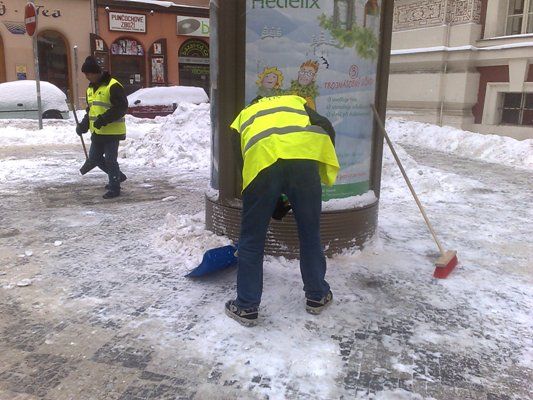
(94, 17)
(445, 66)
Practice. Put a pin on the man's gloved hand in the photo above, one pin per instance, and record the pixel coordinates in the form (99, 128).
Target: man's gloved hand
(99, 122)
(283, 206)
(83, 126)
(79, 130)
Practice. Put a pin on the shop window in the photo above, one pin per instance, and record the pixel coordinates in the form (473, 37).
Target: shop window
(193, 58)
(53, 59)
(517, 109)
(519, 17)
(128, 64)
(158, 63)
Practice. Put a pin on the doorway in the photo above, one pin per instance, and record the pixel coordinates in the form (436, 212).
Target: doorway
(128, 71)
(193, 56)
(53, 59)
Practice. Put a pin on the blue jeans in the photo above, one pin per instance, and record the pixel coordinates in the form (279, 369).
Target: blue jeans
(107, 163)
(300, 181)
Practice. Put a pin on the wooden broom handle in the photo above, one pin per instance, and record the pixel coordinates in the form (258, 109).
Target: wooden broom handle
(384, 132)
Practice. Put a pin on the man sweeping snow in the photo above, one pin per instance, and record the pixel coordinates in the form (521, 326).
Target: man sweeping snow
(106, 107)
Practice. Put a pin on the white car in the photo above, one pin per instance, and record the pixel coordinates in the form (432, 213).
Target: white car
(162, 100)
(18, 99)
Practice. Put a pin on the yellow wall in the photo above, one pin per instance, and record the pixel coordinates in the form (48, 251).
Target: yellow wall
(70, 18)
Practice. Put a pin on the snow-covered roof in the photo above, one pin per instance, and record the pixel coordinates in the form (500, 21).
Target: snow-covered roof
(167, 95)
(26, 92)
(460, 48)
(163, 3)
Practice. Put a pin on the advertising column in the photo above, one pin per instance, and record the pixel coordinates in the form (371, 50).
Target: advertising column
(335, 55)
(326, 52)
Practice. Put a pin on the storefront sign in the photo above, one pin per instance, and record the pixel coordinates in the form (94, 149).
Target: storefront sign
(45, 12)
(127, 22)
(328, 56)
(194, 48)
(193, 26)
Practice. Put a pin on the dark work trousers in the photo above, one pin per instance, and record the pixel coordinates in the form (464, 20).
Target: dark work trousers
(104, 155)
(300, 181)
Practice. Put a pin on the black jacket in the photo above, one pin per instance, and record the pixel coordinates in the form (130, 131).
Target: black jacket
(118, 109)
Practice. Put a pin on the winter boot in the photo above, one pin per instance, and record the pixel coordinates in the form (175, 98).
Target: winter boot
(111, 194)
(316, 306)
(122, 179)
(246, 317)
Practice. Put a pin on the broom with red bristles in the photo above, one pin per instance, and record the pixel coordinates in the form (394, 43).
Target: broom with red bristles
(448, 258)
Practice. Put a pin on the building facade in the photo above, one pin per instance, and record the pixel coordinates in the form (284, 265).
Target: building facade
(464, 63)
(156, 43)
(59, 42)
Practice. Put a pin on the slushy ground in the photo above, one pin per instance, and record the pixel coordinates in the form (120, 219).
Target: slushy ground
(94, 303)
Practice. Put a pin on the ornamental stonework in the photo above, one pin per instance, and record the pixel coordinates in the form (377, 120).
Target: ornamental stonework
(463, 11)
(418, 14)
(411, 14)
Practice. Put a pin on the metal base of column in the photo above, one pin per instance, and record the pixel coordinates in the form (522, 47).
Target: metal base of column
(340, 229)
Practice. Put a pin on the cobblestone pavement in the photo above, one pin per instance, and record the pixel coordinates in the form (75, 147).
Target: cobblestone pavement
(84, 328)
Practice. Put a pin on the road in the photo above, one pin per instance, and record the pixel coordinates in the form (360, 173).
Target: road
(91, 306)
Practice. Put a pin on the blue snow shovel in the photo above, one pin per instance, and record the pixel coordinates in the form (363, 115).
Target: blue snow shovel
(215, 260)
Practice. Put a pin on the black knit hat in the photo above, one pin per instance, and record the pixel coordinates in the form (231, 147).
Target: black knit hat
(91, 66)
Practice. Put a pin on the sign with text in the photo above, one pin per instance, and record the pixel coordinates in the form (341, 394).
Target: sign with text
(127, 22)
(193, 26)
(326, 52)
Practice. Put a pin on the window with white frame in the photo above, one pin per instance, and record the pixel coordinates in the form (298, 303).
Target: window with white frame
(519, 17)
(517, 109)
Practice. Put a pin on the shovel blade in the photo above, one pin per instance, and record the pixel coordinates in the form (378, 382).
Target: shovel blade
(215, 260)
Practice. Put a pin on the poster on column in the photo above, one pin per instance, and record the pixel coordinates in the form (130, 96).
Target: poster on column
(325, 51)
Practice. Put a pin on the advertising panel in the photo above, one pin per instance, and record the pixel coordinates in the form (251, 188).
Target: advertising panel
(325, 51)
(193, 26)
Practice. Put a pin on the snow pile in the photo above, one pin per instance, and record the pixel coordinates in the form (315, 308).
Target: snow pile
(362, 200)
(164, 3)
(25, 92)
(168, 95)
(183, 140)
(154, 2)
(490, 148)
(23, 132)
(192, 228)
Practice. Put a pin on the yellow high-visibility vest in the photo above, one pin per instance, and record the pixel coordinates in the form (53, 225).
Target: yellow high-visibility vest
(99, 102)
(278, 127)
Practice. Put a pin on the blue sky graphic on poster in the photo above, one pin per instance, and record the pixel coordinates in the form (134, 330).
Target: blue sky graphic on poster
(303, 50)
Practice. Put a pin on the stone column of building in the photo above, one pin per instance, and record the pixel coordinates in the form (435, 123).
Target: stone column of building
(432, 79)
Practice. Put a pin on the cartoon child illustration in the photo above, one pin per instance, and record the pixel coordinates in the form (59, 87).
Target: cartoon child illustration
(305, 85)
(269, 82)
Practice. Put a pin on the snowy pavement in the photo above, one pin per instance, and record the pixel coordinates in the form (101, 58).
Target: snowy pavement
(94, 305)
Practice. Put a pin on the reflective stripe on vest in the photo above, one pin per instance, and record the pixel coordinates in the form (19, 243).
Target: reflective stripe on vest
(99, 102)
(282, 131)
(279, 127)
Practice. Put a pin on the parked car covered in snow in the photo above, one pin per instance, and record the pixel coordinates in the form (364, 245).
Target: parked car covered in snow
(163, 100)
(18, 99)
